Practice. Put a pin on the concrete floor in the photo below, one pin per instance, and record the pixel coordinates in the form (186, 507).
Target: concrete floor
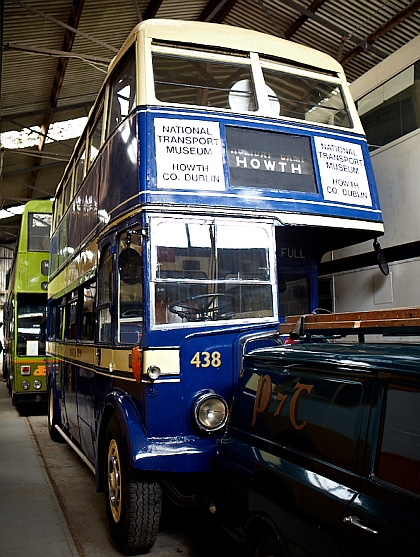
(50, 508)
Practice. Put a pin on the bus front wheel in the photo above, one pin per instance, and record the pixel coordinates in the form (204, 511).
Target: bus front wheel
(133, 505)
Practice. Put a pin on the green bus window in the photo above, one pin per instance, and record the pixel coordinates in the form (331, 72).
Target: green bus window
(39, 226)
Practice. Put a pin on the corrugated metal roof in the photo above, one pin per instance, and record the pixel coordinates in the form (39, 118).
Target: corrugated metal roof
(28, 76)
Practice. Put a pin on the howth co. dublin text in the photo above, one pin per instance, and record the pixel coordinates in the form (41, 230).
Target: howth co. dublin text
(189, 154)
(343, 172)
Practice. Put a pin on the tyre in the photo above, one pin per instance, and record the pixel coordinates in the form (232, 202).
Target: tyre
(133, 505)
(53, 416)
(268, 546)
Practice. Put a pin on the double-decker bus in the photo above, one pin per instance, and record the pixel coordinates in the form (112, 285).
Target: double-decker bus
(217, 166)
(24, 312)
(388, 101)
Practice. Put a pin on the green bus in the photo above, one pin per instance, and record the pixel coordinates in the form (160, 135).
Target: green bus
(25, 307)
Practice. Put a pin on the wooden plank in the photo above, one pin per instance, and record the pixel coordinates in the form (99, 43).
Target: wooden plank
(379, 321)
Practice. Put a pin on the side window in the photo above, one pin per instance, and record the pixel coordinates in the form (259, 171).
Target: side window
(56, 321)
(95, 135)
(122, 95)
(88, 312)
(130, 288)
(399, 457)
(71, 328)
(314, 415)
(79, 169)
(68, 194)
(105, 297)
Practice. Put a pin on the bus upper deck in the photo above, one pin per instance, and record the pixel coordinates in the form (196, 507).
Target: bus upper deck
(220, 127)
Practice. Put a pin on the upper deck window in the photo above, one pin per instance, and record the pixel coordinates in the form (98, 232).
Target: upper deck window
(122, 98)
(39, 225)
(201, 82)
(306, 98)
(248, 82)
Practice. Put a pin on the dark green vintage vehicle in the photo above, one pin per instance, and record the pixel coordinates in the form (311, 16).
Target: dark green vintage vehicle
(322, 453)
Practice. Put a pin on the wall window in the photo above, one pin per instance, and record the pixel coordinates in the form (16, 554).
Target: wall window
(399, 457)
(392, 109)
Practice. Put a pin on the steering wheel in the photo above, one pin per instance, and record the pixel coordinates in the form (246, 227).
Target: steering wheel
(202, 307)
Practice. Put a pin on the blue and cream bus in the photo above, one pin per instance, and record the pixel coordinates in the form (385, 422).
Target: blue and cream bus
(217, 166)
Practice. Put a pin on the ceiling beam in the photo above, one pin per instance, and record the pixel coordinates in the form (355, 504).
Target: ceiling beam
(152, 9)
(211, 9)
(69, 37)
(297, 24)
(381, 31)
(67, 26)
(42, 112)
(216, 11)
(328, 24)
(57, 53)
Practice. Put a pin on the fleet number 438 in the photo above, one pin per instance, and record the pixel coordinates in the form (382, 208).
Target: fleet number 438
(207, 359)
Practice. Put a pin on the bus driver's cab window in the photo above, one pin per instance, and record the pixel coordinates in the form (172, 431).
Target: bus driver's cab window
(105, 296)
(130, 288)
(209, 270)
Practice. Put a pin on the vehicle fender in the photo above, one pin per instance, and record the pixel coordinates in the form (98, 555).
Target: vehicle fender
(120, 404)
(259, 525)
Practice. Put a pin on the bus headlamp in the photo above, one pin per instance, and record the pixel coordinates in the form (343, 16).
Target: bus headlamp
(210, 412)
(37, 384)
(25, 385)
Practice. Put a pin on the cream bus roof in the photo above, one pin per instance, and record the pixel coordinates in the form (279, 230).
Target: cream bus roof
(235, 38)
